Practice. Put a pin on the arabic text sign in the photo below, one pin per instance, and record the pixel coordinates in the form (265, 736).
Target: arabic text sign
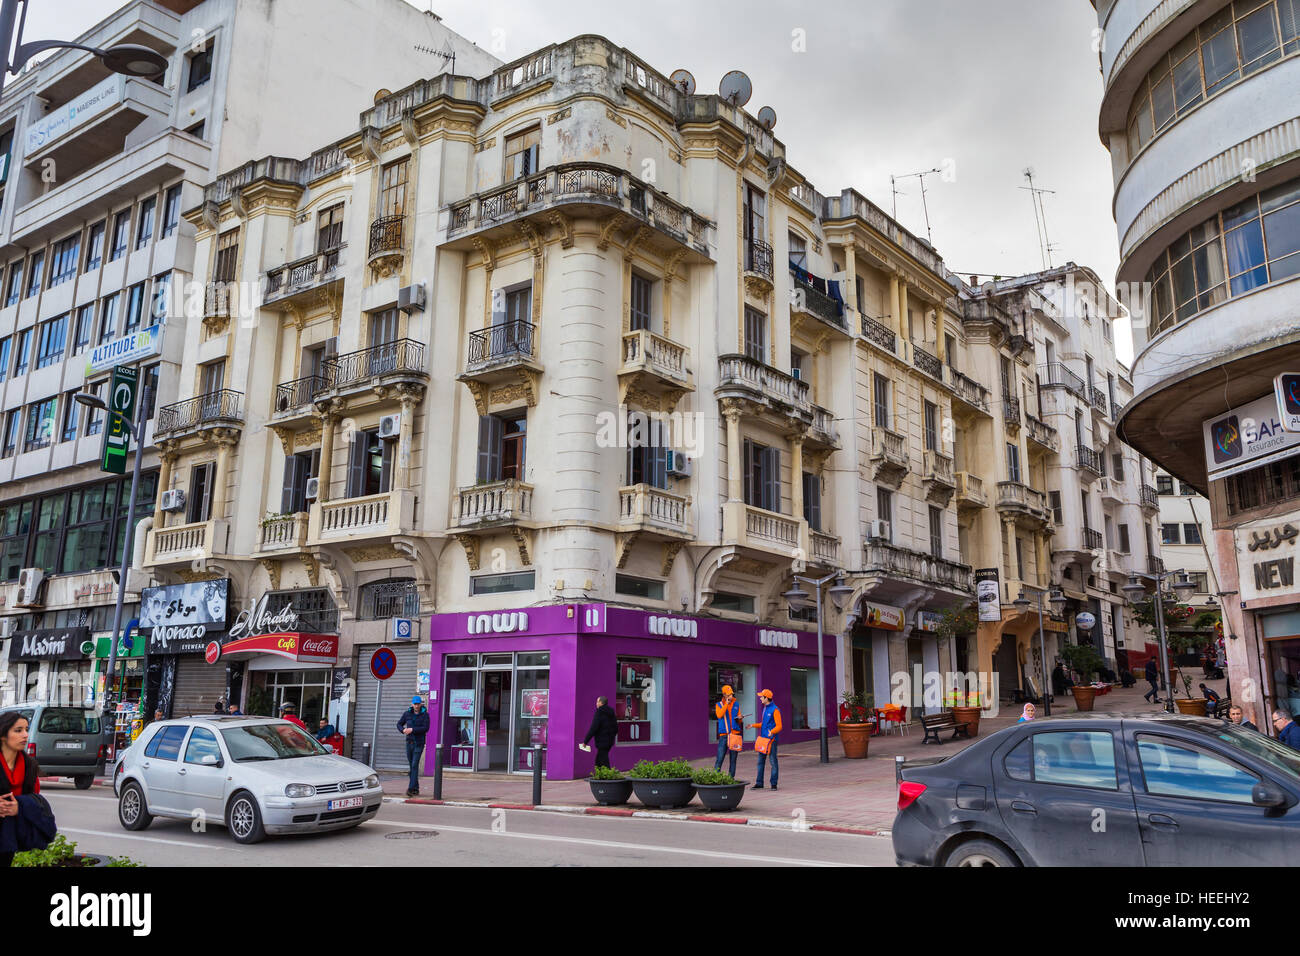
(1266, 557)
(1246, 437)
(140, 344)
(94, 102)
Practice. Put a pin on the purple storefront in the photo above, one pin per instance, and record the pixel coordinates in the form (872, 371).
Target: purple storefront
(505, 681)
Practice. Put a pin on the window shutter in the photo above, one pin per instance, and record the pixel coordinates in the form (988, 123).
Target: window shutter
(751, 468)
(489, 448)
(772, 474)
(357, 466)
(386, 466)
(291, 466)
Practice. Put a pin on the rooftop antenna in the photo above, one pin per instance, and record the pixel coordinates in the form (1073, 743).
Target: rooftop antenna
(448, 56)
(736, 89)
(893, 184)
(1040, 216)
(684, 81)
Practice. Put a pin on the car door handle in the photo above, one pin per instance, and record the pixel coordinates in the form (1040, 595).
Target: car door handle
(1162, 821)
(1021, 807)
(145, 765)
(181, 771)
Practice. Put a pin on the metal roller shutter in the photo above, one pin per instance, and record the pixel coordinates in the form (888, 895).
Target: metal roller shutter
(390, 748)
(198, 686)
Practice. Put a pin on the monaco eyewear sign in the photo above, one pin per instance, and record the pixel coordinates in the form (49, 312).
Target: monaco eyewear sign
(50, 644)
(179, 618)
(1246, 437)
(80, 110)
(138, 345)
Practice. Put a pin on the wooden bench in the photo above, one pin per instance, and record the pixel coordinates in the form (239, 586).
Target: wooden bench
(944, 720)
(1218, 710)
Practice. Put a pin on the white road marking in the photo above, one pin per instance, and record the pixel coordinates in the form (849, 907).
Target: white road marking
(79, 797)
(608, 844)
(132, 836)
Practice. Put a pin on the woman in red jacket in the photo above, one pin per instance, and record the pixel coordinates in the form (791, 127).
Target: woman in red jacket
(20, 778)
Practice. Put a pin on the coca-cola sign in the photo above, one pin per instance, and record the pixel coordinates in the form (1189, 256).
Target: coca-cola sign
(256, 621)
(312, 648)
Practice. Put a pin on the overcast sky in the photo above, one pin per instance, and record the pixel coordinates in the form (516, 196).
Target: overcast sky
(880, 87)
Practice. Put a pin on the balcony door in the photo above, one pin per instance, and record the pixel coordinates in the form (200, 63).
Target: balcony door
(383, 341)
(370, 465)
(392, 190)
(212, 379)
(502, 447)
(199, 505)
(298, 469)
(755, 214)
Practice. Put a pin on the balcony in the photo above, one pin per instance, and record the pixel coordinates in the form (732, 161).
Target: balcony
(296, 399)
(389, 363)
(220, 409)
(970, 491)
(1116, 409)
(927, 363)
(501, 354)
(758, 266)
(304, 281)
(766, 532)
(895, 562)
(937, 479)
(494, 504)
(880, 335)
(1043, 434)
(1027, 505)
(889, 461)
(349, 520)
(825, 549)
(589, 190)
(1112, 490)
(386, 246)
(742, 377)
(822, 433)
(645, 508)
(1097, 399)
(813, 301)
(1155, 565)
(185, 543)
(968, 391)
(1011, 412)
(1149, 499)
(1056, 375)
(220, 302)
(284, 533)
(653, 365)
(1089, 463)
(1092, 539)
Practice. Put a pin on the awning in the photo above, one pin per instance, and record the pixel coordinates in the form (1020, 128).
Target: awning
(295, 646)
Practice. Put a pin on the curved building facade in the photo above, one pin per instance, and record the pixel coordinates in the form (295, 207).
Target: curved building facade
(1200, 117)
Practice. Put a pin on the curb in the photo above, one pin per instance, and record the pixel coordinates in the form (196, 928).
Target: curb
(772, 824)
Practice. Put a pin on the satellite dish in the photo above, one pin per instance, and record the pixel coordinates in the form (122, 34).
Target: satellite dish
(683, 80)
(735, 88)
(767, 118)
(381, 94)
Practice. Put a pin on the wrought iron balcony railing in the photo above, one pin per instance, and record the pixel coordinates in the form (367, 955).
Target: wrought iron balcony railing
(814, 300)
(389, 358)
(219, 407)
(927, 363)
(1092, 539)
(386, 235)
(758, 258)
(1056, 375)
(1090, 459)
(880, 334)
(299, 393)
(508, 340)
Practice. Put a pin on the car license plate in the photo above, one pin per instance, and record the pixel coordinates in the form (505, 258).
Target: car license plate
(344, 804)
(67, 745)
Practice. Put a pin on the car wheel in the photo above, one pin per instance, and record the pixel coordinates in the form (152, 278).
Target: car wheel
(84, 781)
(132, 812)
(244, 819)
(980, 853)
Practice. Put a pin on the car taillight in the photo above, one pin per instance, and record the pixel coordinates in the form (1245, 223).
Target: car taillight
(100, 754)
(31, 749)
(908, 792)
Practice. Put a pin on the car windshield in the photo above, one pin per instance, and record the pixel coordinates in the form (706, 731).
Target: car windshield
(1258, 746)
(269, 742)
(68, 720)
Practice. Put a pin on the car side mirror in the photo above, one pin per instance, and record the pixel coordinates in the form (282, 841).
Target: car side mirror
(1267, 795)
(209, 760)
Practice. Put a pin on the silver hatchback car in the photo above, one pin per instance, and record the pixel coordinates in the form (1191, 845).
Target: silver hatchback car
(254, 775)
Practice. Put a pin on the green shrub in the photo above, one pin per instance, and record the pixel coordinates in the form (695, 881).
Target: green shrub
(122, 861)
(708, 777)
(661, 769)
(58, 853)
(606, 773)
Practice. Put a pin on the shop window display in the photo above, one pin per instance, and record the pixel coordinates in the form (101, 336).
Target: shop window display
(804, 694)
(638, 702)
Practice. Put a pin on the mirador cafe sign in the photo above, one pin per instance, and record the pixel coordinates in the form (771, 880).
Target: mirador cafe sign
(259, 631)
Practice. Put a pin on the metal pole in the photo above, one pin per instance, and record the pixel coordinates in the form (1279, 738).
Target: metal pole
(1042, 652)
(137, 435)
(1164, 649)
(537, 775)
(8, 14)
(437, 771)
(821, 682)
(374, 733)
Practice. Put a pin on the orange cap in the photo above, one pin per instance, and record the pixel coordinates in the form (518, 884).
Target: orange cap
(726, 689)
(765, 693)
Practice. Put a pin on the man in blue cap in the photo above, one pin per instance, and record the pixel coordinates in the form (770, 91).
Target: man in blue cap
(415, 725)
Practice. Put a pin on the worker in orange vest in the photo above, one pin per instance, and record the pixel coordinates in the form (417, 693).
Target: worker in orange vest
(727, 711)
(769, 729)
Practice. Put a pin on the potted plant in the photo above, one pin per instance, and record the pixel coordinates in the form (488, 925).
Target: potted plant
(717, 790)
(1193, 706)
(1084, 659)
(609, 787)
(966, 709)
(854, 725)
(664, 784)
(62, 852)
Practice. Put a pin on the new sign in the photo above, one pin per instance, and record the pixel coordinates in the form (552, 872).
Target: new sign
(81, 110)
(117, 432)
(1247, 437)
(1266, 558)
(126, 349)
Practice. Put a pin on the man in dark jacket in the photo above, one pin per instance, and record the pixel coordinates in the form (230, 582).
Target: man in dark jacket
(603, 730)
(415, 725)
(1152, 676)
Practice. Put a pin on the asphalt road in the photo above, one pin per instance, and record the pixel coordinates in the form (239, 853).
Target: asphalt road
(416, 835)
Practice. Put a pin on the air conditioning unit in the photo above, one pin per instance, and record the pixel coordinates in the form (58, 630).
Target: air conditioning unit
(7, 627)
(879, 530)
(313, 489)
(411, 298)
(390, 426)
(29, 587)
(679, 466)
(173, 500)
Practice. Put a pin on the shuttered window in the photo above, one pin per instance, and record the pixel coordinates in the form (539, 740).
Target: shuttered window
(762, 476)
(370, 465)
(199, 505)
(640, 305)
(756, 335)
(297, 470)
(812, 500)
(523, 152)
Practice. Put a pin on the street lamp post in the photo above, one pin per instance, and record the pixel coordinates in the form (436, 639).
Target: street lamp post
(1057, 601)
(127, 58)
(1135, 589)
(798, 600)
(136, 430)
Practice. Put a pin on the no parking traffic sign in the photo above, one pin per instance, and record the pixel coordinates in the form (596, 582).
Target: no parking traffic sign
(383, 663)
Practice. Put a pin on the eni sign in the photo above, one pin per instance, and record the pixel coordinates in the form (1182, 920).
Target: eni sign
(76, 112)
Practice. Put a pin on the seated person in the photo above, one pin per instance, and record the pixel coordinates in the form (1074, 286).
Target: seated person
(325, 730)
(1211, 696)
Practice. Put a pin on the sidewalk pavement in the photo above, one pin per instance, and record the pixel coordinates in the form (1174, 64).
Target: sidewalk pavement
(854, 795)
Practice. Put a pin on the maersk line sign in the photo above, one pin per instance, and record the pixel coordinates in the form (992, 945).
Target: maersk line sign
(81, 109)
(140, 344)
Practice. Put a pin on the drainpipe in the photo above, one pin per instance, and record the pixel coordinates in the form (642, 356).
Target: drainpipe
(138, 543)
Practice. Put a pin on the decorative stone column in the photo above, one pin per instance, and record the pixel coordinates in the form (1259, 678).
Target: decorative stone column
(327, 420)
(735, 469)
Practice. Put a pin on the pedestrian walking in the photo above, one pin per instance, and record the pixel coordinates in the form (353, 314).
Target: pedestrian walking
(1028, 713)
(769, 730)
(727, 712)
(1287, 731)
(289, 712)
(415, 725)
(1150, 673)
(26, 820)
(603, 730)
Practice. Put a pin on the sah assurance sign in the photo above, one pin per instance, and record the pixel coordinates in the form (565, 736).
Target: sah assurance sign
(1246, 437)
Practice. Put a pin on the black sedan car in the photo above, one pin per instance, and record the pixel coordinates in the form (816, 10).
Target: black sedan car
(1104, 790)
